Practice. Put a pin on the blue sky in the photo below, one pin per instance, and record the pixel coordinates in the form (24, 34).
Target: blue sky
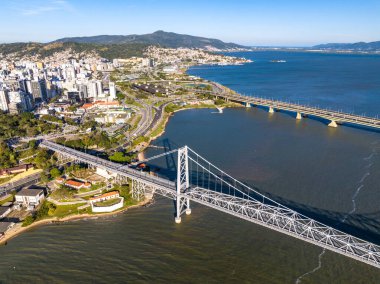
(254, 22)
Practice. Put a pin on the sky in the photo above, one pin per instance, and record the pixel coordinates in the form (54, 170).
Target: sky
(247, 22)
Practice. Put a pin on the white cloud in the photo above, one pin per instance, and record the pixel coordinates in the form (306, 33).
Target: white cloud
(56, 5)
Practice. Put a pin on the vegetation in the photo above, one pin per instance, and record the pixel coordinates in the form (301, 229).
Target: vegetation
(8, 199)
(44, 159)
(109, 51)
(7, 155)
(52, 118)
(63, 193)
(121, 157)
(55, 172)
(139, 140)
(96, 138)
(62, 211)
(28, 221)
(25, 124)
(124, 191)
(108, 202)
(172, 107)
(120, 96)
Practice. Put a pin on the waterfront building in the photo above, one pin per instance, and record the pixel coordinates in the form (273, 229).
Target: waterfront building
(29, 197)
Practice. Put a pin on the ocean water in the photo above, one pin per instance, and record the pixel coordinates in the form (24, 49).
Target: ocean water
(346, 82)
(329, 174)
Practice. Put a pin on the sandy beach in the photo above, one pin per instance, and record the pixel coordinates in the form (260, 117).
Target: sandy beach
(18, 229)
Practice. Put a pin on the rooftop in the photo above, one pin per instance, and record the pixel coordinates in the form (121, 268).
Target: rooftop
(29, 192)
(111, 193)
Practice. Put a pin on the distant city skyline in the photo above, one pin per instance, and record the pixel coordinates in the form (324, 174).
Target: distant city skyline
(270, 22)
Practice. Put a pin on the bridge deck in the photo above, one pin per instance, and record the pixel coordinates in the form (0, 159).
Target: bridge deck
(339, 117)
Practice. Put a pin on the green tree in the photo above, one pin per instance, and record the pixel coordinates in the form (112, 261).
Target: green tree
(55, 172)
(120, 96)
(28, 221)
(44, 177)
(120, 157)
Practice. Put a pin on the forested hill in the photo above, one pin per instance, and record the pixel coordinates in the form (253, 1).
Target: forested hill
(161, 38)
(358, 46)
(109, 51)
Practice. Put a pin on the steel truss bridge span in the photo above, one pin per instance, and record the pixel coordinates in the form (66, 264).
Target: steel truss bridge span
(202, 182)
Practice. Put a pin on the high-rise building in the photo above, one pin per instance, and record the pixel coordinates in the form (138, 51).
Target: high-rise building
(83, 94)
(39, 91)
(112, 88)
(4, 100)
(15, 85)
(20, 98)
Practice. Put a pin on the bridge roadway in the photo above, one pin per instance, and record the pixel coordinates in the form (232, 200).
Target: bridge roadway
(335, 117)
(278, 218)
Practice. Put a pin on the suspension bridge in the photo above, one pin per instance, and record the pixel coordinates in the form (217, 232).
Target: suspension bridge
(198, 180)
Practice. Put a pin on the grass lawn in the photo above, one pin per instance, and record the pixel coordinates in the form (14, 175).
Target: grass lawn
(10, 198)
(63, 194)
(108, 202)
(6, 179)
(66, 210)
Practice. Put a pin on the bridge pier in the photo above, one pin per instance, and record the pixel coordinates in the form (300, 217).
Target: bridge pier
(271, 110)
(333, 124)
(299, 116)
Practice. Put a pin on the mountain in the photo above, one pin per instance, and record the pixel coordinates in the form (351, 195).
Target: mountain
(161, 38)
(358, 46)
(43, 50)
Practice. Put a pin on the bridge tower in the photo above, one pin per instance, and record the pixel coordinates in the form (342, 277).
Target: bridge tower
(182, 203)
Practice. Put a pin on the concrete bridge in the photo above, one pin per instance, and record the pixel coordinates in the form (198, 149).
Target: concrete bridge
(202, 182)
(334, 117)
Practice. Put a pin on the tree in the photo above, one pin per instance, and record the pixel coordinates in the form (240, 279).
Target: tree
(120, 158)
(55, 172)
(33, 144)
(120, 96)
(7, 156)
(42, 159)
(27, 221)
(44, 177)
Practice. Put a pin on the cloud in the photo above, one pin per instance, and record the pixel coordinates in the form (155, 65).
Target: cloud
(56, 5)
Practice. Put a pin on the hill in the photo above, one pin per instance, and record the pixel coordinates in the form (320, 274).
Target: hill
(358, 46)
(161, 38)
(109, 51)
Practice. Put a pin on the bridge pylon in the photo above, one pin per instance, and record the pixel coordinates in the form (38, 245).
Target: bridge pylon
(182, 183)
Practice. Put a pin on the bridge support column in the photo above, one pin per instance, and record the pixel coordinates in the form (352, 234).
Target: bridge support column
(333, 124)
(299, 116)
(138, 190)
(271, 110)
(247, 104)
(182, 184)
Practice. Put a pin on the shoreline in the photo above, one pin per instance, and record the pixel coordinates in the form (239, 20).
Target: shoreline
(18, 229)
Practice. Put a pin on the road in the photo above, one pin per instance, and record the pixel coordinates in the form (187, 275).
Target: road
(29, 180)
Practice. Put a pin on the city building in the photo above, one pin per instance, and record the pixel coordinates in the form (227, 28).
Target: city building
(112, 90)
(29, 197)
(4, 100)
(39, 91)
